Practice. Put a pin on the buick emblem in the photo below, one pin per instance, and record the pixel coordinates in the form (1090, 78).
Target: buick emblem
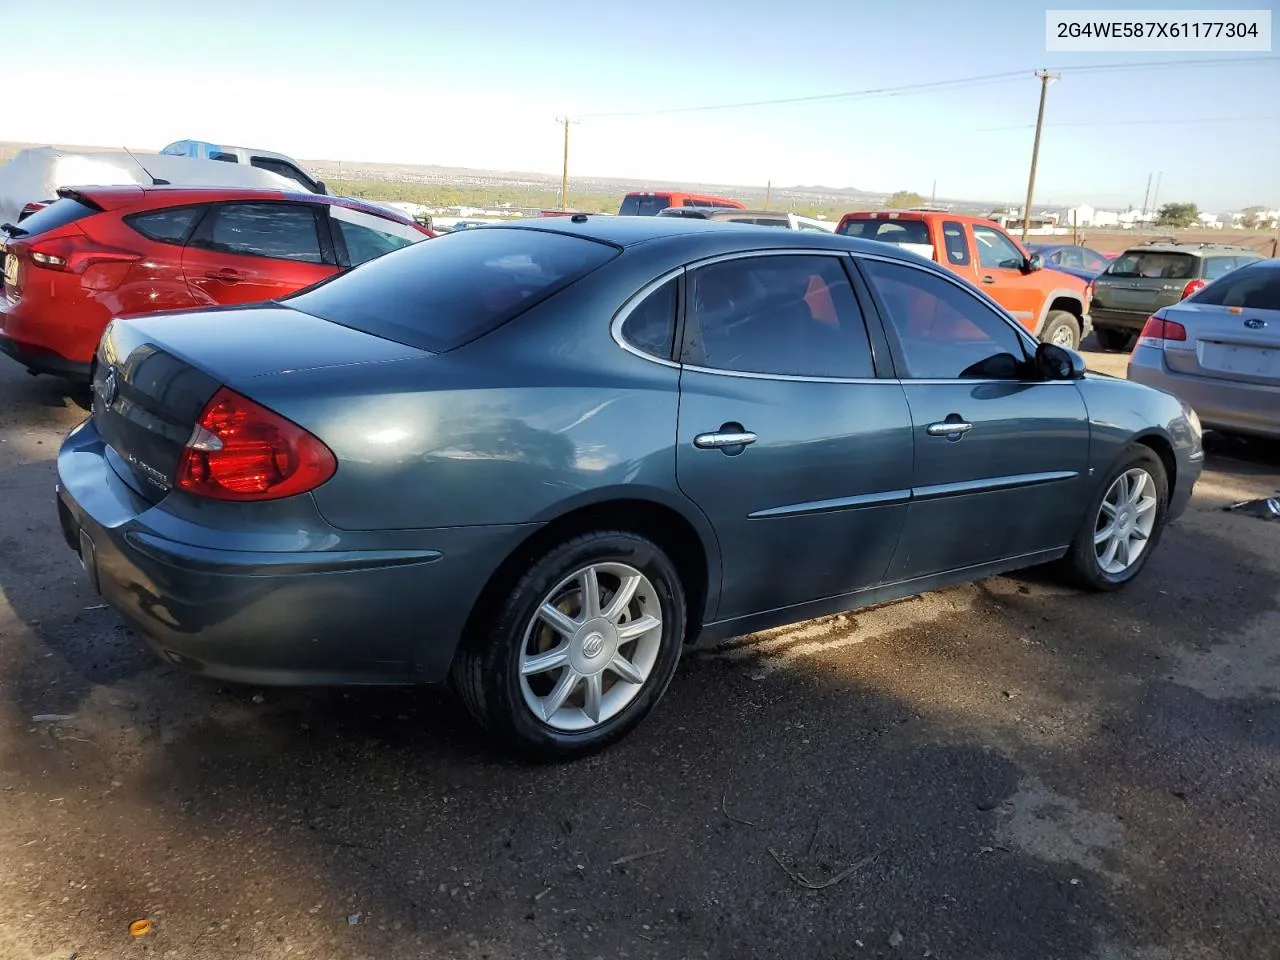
(1253, 323)
(109, 388)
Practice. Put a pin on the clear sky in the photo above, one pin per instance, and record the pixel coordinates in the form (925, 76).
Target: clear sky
(479, 83)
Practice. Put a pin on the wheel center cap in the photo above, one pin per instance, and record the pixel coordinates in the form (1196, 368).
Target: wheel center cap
(593, 646)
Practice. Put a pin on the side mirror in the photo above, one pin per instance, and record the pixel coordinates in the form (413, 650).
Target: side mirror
(1035, 262)
(1058, 363)
(321, 189)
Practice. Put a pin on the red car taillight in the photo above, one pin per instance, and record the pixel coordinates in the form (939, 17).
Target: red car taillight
(240, 450)
(1157, 330)
(1193, 286)
(77, 254)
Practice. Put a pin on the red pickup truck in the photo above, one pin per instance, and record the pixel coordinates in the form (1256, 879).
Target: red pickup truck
(1049, 303)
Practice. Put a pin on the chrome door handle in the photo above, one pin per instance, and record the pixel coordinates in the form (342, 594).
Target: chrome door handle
(948, 428)
(714, 441)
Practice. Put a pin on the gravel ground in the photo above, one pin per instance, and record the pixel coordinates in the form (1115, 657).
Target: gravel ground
(1008, 769)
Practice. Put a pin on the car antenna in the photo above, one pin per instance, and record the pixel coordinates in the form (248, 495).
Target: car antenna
(155, 181)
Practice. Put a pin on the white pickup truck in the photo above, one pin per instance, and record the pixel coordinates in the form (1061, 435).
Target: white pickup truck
(276, 163)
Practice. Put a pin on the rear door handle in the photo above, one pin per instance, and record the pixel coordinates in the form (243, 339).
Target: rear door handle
(951, 429)
(715, 441)
(988, 279)
(225, 276)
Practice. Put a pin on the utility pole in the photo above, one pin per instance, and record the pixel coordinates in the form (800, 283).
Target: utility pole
(933, 195)
(564, 172)
(1046, 78)
(768, 194)
(1155, 200)
(1147, 196)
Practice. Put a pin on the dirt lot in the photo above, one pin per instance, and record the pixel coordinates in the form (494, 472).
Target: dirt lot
(1115, 241)
(1006, 770)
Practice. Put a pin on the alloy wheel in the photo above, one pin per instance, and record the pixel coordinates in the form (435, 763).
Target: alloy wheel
(1125, 521)
(590, 646)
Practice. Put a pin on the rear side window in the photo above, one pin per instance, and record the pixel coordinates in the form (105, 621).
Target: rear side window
(440, 295)
(781, 315)
(283, 169)
(1153, 265)
(651, 327)
(166, 226)
(1252, 287)
(957, 243)
(1215, 267)
(635, 205)
(58, 214)
(280, 231)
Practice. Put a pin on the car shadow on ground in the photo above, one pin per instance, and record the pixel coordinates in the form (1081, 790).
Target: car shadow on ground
(1028, 776)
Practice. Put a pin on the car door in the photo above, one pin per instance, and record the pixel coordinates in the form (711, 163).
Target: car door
(787, 440)
(1001, 457)
(1002, 274)
(252, 251)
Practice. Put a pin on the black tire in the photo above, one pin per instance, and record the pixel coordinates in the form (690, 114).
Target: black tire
(1109, 338)
(1081, 561)
(1059, 323)
(486, 670)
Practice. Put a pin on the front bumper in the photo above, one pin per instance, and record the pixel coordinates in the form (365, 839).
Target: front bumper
(1252, 409)
(362, 611)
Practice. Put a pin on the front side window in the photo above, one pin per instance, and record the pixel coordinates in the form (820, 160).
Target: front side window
(995, 250)
(651, 326)
(280, 231)
(286, 170)
(944, 332)
(781, 315)
(367, 236)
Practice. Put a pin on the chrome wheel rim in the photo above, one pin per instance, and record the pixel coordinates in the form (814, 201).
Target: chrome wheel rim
(590, 646)
(1063, 337)
(1125, 521)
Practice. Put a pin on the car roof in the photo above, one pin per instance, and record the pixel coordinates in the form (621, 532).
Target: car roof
(1194, 249)
(696, 233)
(128, 195)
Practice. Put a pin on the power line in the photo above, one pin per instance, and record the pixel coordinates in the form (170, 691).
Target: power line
(956, 83)
(1129, 123)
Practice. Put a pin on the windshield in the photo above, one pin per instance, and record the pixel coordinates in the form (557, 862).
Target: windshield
(445, 292)
(642, 205)
(887, 231)
(1153, 265)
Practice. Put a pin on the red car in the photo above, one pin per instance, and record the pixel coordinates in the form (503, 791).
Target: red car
(100, 252)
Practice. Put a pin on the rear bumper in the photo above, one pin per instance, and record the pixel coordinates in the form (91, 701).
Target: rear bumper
(1252, 409)
(44, 361)
(366, 613)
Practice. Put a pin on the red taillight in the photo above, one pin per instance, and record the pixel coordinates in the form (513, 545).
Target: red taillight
(76, 254)
(240, 450)
(1157, 330)
(1193, 286)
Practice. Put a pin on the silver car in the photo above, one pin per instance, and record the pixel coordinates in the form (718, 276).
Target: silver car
(1219, 351)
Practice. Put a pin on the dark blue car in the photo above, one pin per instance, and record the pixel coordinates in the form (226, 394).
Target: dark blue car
(1069, 258)
(536, 460)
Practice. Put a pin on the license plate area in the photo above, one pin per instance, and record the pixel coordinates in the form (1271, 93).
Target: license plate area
(10, 270)
(1243, 360)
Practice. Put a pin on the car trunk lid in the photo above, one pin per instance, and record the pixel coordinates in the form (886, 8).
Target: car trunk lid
(1227, 343)
(155, 374)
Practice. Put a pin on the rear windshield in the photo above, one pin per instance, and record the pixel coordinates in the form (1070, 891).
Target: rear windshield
(1152, 265)
(887, 231)
(635, 205)
(57, 214)
(1253, 287)
(442, 293)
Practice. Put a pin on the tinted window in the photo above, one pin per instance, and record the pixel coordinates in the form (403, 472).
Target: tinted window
(790, 315)
(652, 325)
(888, 231)
(281, 231)
(166, 226)
(1252, 287)
(368, 236)
(286, 170)
(996, 250)
(957, 243)
(225, 157)
(442, 294)
(944, 332)
(57, 214)
(635, 205)
(1215, 267)
(1153, 265)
